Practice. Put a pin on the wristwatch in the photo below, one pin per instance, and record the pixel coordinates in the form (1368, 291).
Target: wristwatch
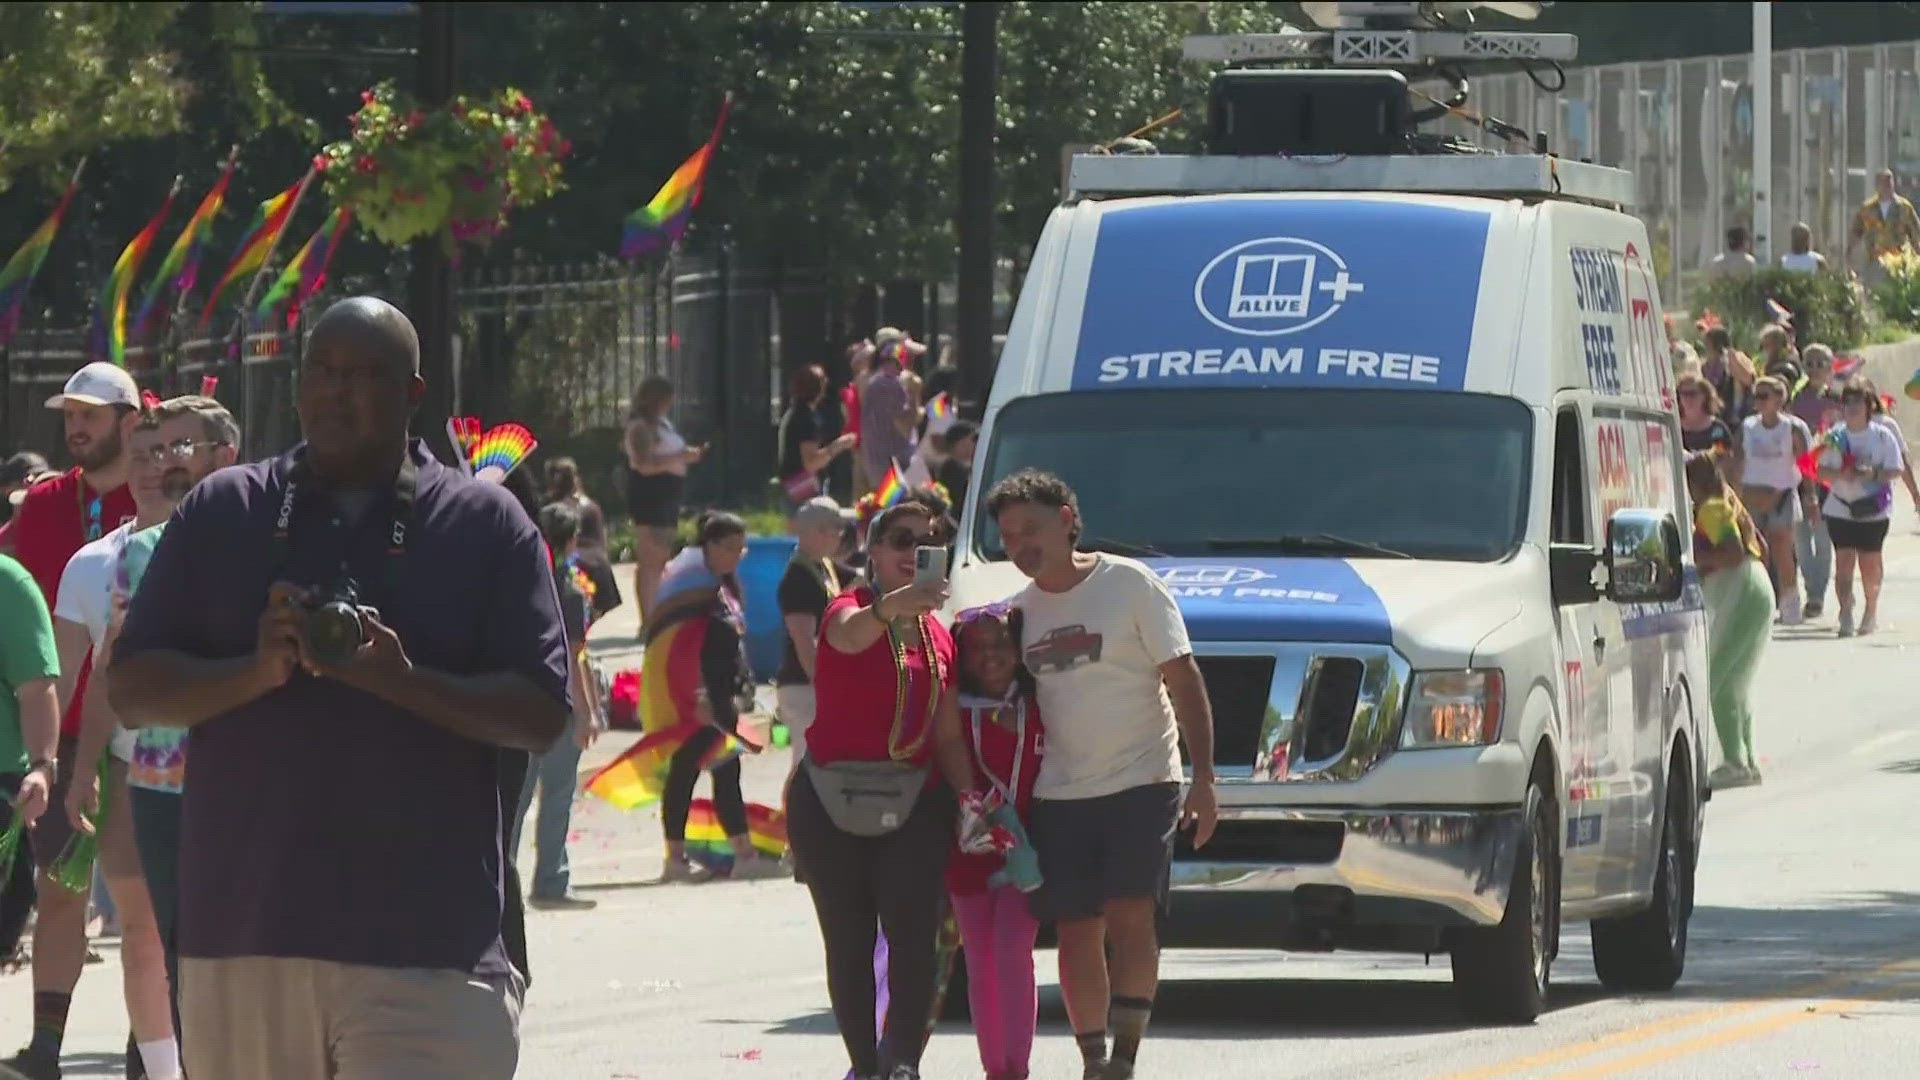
(51, 764)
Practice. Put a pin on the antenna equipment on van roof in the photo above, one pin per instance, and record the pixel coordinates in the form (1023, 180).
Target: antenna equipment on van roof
(1343, 89)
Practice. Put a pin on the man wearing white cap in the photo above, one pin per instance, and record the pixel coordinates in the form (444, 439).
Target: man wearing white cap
(99, 406)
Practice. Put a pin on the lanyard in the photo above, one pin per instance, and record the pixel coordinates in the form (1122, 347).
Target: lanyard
(1010, 790)
(89, 512)
(405, 487)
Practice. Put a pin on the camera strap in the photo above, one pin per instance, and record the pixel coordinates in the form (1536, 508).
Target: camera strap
(406, 486)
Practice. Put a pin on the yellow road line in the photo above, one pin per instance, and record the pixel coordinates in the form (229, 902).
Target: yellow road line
(1657, 1028)
(1766, 1025)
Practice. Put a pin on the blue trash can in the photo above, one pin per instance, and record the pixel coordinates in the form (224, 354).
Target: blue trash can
(760, 573)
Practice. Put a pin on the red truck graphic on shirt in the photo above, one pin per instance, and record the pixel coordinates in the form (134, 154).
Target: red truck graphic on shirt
(1063, 649)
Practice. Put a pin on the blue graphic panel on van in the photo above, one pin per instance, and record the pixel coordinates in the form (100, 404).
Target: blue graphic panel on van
(1281, 292)
(1236, 598)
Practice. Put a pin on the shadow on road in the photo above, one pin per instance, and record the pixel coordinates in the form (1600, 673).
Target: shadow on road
(1746, 953)
(93, 1065)
(1911, 768)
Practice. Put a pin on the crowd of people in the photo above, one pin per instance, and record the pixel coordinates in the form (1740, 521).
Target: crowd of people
(1792, 466)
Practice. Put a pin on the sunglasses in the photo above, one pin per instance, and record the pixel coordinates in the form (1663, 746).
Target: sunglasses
(903, 539)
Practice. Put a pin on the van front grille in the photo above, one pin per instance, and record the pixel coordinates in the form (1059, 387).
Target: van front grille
(1326, 714)
(1238, 688)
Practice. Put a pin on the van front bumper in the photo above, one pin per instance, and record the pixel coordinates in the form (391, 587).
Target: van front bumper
(1321, 874)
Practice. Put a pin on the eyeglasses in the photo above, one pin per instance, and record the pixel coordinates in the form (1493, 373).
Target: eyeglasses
(902, 539)
(178, 448)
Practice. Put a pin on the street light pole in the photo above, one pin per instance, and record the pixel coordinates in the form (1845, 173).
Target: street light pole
(1760, 74)
(430, 289)
(973, 327)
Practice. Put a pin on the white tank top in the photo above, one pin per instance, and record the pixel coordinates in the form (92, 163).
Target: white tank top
(1769, 452)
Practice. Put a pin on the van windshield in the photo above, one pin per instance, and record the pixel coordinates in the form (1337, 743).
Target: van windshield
(1370, 473)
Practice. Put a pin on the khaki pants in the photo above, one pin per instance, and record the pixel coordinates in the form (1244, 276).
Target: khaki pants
(260, 1017)
(795, 709)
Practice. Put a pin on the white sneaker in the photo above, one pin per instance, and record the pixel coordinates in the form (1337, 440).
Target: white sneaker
(683, 870)
(1790, 614)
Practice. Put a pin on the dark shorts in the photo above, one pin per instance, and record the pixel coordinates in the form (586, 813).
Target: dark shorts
(1850, 535)
(654, 501)
(1114, 847)
(54, 829)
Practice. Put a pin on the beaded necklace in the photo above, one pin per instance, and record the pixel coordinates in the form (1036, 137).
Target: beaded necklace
(902, 686)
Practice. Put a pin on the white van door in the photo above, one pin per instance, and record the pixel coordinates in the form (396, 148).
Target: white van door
(1586, 681)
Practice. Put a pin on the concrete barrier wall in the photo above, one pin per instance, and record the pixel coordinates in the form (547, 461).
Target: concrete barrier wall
(1890, 366)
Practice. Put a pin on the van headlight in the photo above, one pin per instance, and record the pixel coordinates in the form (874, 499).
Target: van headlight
(1453, 708)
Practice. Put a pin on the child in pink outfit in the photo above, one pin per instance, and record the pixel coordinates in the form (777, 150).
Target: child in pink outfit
(1001, 722)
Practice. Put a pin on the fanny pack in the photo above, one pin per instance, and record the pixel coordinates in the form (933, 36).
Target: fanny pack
(867, 798)
(1870, 506)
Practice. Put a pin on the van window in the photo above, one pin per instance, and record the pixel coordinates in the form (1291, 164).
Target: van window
(1277, 471)
(1569, 481)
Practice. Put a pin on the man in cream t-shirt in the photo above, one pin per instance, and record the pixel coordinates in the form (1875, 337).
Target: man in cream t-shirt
(1118, 687)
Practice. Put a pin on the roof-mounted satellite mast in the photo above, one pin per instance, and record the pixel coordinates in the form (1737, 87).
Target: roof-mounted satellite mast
(1343, 89)
(1332, 110)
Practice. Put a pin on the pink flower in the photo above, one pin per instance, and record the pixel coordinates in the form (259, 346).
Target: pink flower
(508, 142)
(416, 118)
(521, 104)
(366, 97)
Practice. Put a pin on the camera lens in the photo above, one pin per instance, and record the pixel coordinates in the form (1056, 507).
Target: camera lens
(334, 633)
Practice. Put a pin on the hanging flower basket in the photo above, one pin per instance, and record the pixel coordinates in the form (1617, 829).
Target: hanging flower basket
(455, 173)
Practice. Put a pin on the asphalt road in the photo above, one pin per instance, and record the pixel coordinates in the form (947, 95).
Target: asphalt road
(1805, 957)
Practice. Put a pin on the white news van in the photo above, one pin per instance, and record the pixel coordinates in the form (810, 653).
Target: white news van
(1397, 433)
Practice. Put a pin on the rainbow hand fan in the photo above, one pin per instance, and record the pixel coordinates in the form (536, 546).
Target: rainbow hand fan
(500, 451)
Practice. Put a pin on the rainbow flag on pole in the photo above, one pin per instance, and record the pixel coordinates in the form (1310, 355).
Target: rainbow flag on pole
(181, 268)
(893, 487)
(660, 223)
(941, 407)
(307, 270)
(17, 276)
(255, 245)
(110, 319)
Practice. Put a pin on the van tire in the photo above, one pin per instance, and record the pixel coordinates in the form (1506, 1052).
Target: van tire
(1501, 973)
(1647, 951)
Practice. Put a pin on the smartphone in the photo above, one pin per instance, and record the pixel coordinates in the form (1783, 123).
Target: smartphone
(929, 566)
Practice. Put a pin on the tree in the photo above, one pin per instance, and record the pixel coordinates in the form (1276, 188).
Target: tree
(74, 76)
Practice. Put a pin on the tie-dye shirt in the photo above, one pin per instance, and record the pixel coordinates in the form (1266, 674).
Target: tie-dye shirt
(159, 754)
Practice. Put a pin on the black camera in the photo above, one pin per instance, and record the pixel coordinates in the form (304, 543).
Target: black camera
(332, 626)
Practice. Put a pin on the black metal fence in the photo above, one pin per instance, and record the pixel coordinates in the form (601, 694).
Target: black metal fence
(560, 348)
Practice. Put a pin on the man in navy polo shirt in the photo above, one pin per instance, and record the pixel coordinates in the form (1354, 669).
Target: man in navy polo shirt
(347, 907)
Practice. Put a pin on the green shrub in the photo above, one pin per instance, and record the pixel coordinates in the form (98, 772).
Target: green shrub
(1826, 306)
(1898, 294)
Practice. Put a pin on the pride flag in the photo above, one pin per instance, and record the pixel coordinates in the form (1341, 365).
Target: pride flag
(307, 270)
(639, 776)
(110, 318)
(893, 487)
(17, 276)
(660, 223)
(708, 844)
(181, 268)
(941, 407)
(255, 245)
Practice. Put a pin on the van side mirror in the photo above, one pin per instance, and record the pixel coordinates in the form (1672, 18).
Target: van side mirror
(1572, 571)
(1643, 557)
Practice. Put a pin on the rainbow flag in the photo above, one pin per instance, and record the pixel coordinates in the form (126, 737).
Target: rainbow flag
(17, 276)
(110, 318)
(307, 270)
(181, 268)
(660, 223)
(892, 488)
(707, 842)
(255, 245)
(639, 775)
(500, 451)
(941, 407)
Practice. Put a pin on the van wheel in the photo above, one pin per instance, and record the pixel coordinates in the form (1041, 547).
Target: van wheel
(1501, 972)
(1648, 949)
